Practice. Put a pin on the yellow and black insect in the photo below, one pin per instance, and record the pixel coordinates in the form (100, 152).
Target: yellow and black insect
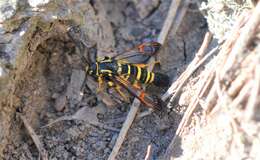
(108, 67)
(118, 72)
(129, 76)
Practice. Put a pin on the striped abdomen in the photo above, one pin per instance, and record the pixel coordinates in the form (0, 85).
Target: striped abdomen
(142, 75)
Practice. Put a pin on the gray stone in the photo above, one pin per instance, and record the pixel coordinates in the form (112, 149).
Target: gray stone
(74, 93)
(37, 3)
(145, 7)
(99, 146)
(7, 9)
(60, 103)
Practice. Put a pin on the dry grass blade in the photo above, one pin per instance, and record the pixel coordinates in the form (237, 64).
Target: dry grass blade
(226, 67)
(177, 85)
(35, 138)
(252, 102)
(148, 153)
(136, 103)
(190, 72)
(243, 94)
(84, 114)
(203, 89)
(237, 84)
(170, 18)
(247, 33)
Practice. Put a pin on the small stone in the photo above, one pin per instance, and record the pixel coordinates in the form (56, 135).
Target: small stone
(99, 146)
(100, 108)
(107, 150)
(37, 3)
(7, 9)
(55, 95)
(60, 103)
(1, 71)
(185, 99)
(74, 88)
(146, 7)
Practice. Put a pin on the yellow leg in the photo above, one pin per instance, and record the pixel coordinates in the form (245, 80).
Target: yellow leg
(118, 89)
(100, 83)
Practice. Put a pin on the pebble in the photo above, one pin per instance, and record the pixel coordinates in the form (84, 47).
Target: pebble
(37, 3)
(145, 7)
(7, 9)
(60, 103)
(74, 93)
(185, 98)
(99, 146)
(107, 150)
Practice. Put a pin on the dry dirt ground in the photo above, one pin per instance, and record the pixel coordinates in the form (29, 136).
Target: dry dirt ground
(49, 87)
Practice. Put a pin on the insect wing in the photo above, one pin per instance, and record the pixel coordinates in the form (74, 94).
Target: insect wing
(150, 101)
(149, 48)
(132, 57)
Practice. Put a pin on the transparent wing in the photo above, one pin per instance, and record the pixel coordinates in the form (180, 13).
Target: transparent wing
(139, 54)
(150, 101)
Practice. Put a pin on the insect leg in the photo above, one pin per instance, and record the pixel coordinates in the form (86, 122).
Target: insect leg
(100, 84)
(118, 90)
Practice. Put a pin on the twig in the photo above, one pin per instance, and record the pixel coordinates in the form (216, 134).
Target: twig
(169, 21)
(187, 115)
(243, 94)
(247, 33)
(237, 84)
(83, 114)
(212, 97)
(148, 152)
(252, 102)
(199, 55)
(190, 72)
(180, 17)
(35, 138)
(206, 89)
(202, 91)
(219, 90)
(203, 47)
(136, 103)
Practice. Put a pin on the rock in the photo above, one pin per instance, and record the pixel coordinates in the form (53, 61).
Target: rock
(99, 146)
(185, 98)
(107, 151)
(99, 29)
(37, 3)
(72, 133)
(74, 93)
(132, 32)
(60, 103)
(7, 9)
(1, 72)
(146, 7)
(113, 11)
